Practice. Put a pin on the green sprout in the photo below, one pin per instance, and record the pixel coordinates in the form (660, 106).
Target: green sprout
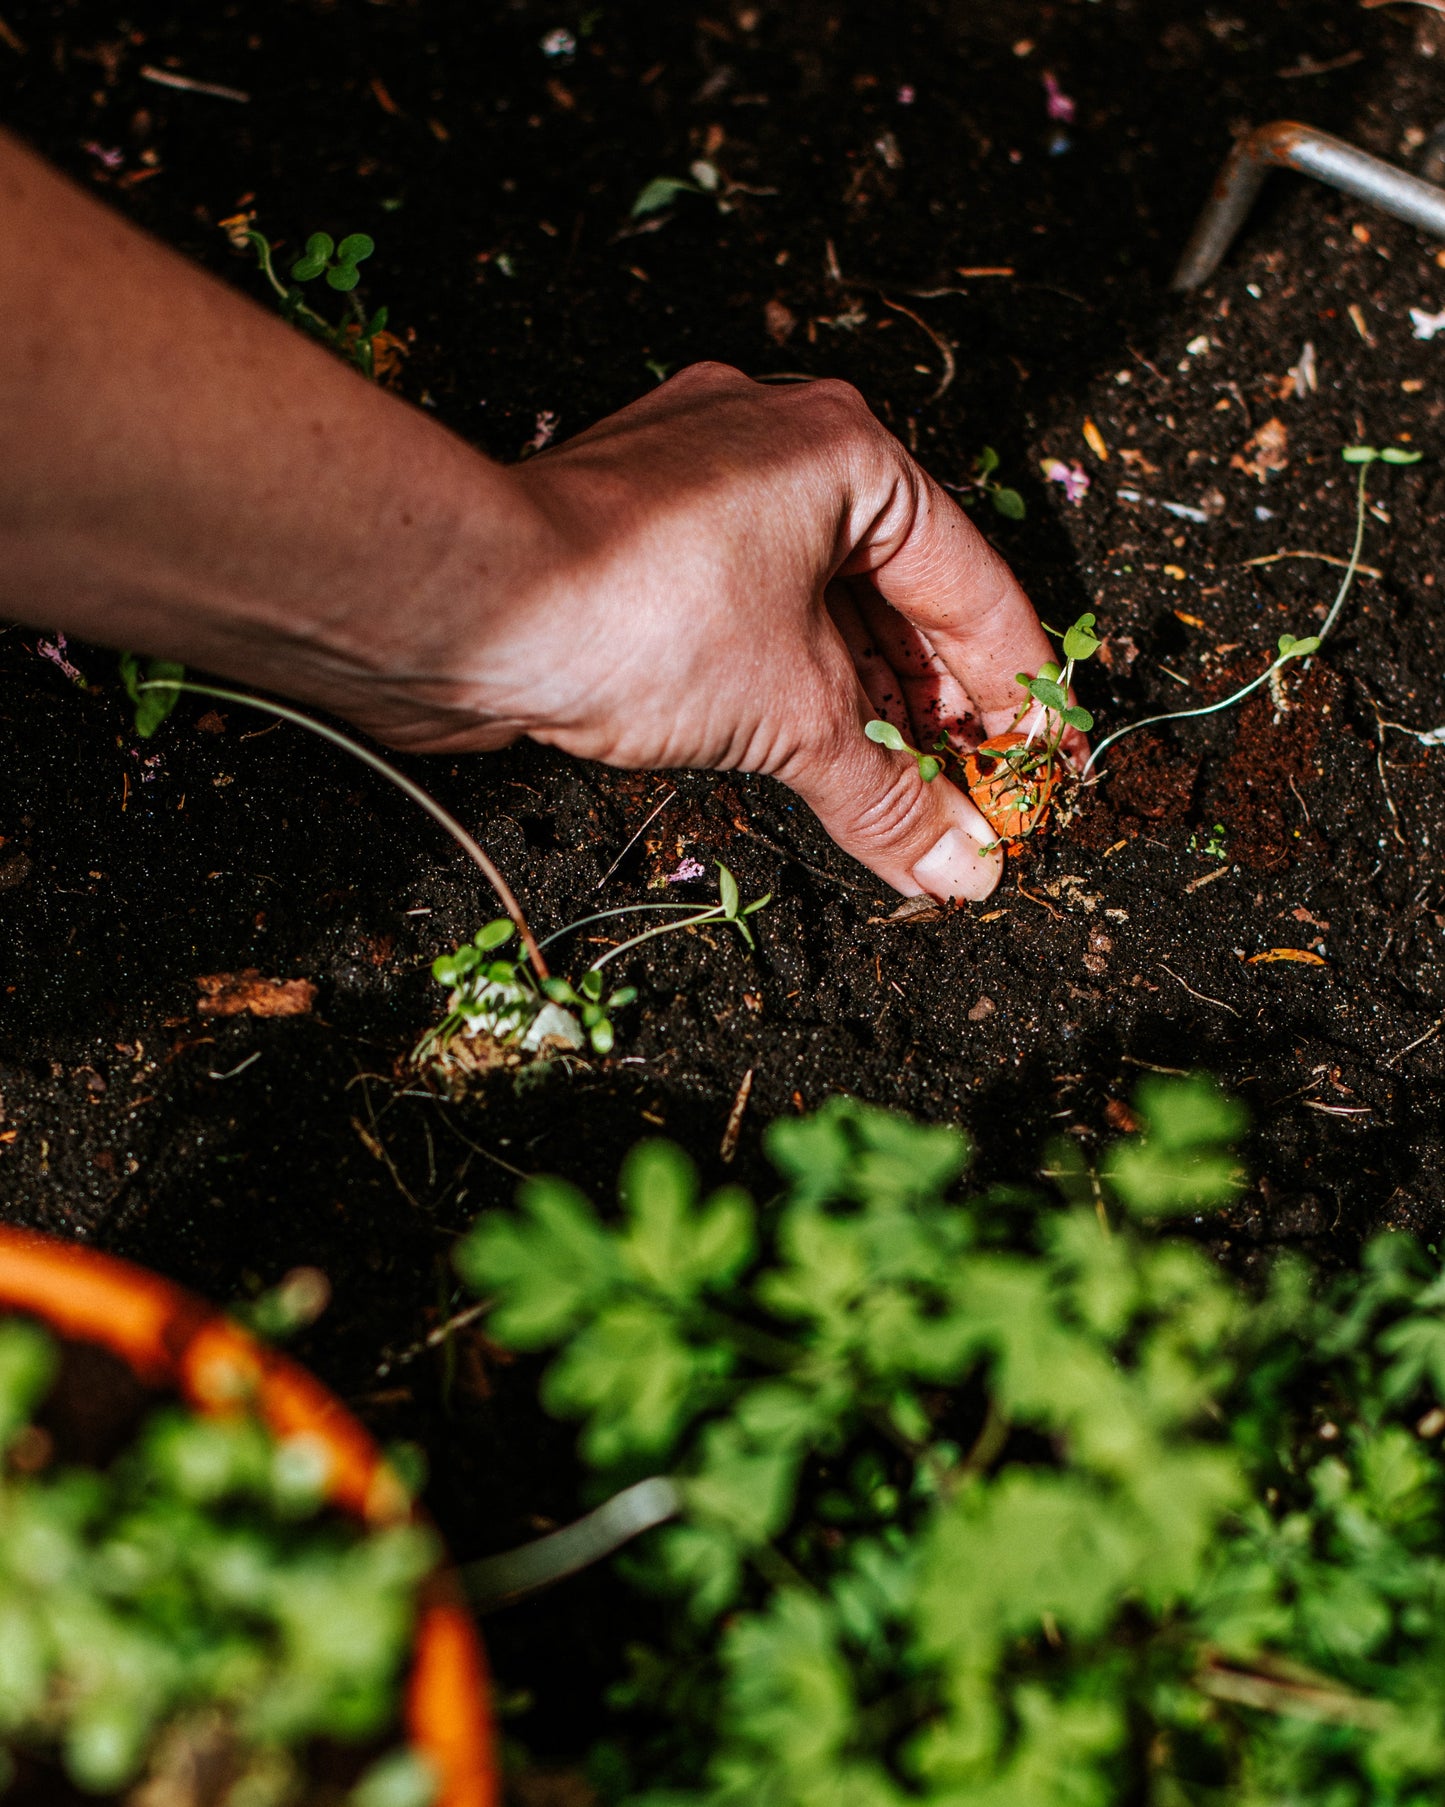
(340, 269)
(1007, 502)
(1033, 757)
(354, 339)
(662, 191)
(1051, 686)
(886, 735)
(153, 688)
(506, 1000)
(1289, 647)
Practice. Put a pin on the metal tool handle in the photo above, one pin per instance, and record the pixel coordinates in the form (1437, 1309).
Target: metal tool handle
(1286, 144)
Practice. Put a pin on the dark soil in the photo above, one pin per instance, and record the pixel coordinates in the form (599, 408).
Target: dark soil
(497, 182)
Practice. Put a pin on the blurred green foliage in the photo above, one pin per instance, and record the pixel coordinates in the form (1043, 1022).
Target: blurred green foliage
(999, 1501)
(194, 1596)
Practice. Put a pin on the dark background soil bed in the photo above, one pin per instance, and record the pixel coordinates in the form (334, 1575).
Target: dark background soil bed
(914, 142)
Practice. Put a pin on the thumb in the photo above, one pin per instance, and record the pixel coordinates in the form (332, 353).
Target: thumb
(920, 838)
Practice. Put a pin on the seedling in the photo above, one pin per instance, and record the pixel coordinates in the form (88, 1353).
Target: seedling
(1289, 648)
(153, 688)
(662, 191)
(1007, 502)
(363, 339)
(505, 1001)
(1012, 776)
(1214, 846)
(338, 263)
(886, 735)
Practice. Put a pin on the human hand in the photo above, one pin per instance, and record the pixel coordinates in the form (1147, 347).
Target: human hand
(723, 574)
(740, 575)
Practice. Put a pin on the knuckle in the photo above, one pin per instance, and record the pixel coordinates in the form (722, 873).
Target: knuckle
(832, 392)
(708, 373)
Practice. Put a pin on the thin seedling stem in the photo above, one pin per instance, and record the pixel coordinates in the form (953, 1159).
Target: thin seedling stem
(601, 915)
(1353, 566)
(1179, 715)
(468, 845)
(715, 914)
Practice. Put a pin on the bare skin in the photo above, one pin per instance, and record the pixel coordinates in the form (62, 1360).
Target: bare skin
(725, 574)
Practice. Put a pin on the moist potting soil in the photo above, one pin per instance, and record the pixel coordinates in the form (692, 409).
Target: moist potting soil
(870, 161)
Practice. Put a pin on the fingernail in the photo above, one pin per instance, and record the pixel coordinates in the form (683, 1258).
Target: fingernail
(955, 866)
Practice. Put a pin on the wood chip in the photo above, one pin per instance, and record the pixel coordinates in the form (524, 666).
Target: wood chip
(248, 994)
(1094, 439)
(1266, 451)
(1300, 956)
(735, 1117)
(912, 910)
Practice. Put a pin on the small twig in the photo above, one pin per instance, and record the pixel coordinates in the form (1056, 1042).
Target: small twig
(433, 1338)
(1325, 558)
(476, 1147)
(167, 78)
(1384, 781)
(795, 859)
(1294, 1700)
(735, 1118)
(1419, 1041)
(1206, 878)
(1218, 1002)
(1150, 1066)
(250, 1060)
(1043, 902)
(374, 1145)
(1304, 807)
(635, 839)
(950, 365)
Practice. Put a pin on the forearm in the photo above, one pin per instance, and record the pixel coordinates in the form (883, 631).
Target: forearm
(185, 474)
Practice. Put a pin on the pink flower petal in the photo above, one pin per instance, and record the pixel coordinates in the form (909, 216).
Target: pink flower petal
(1061, 106)
(1073, 477)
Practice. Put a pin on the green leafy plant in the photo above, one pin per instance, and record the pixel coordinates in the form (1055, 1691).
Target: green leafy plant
(1051, 688)
(886, 735)
(1289, 648)
(152, 689)
(1001, 1501)
(704, 178)
(1214, 844)
(340, 264)
(1017, 769)
(514, 1006)
(1007, 502)
(193, 1605)
(357, 339)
